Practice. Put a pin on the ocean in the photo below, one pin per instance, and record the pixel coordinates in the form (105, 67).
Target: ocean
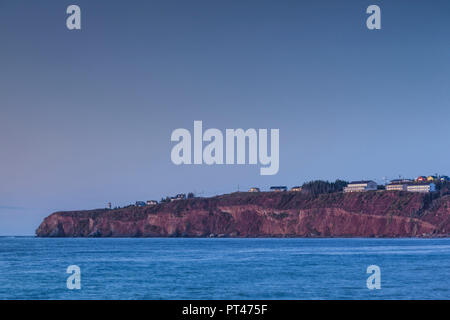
(223, 268)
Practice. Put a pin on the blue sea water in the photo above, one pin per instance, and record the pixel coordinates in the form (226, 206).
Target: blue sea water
(180, 268)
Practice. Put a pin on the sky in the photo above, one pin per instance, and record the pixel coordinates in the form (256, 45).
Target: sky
(86, 115)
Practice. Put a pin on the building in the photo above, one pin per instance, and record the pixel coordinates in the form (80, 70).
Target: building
(431, 178)
(444, 179)
(397, 186)
(361, 186)
(180, 196)
(140, 203)
(152, 202)
(421, 179)
(278, 188)
(296, 188)
(254, 189)
(423, 187)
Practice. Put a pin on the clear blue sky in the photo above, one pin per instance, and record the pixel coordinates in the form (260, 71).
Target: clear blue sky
(86, 116)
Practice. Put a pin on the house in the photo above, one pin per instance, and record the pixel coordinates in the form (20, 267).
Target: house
(254, 189)
(421, 179)
(444, 179)
(152, 202)
(140, 203)
(361, 186)
(296, 188)
(278, 188)
(180, 196)
(431, 178)
(423, 187)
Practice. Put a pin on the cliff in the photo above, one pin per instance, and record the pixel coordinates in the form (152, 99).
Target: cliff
(265, 214)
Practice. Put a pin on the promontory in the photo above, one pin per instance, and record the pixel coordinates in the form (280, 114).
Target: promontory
(265, 214)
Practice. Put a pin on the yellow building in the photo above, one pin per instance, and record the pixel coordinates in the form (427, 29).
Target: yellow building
(297, 189)
(254, 190)
(431, 178)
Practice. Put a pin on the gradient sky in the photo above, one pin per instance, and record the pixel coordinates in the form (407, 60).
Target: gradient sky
(86, 116)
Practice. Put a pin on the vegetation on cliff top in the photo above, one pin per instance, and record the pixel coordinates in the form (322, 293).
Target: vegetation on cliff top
(319, 186)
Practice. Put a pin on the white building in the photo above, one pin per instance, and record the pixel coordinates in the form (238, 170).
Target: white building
(424, 187)
(397, 187)
(361, 186)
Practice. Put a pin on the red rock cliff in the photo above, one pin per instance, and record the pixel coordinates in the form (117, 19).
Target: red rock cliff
(265, 214)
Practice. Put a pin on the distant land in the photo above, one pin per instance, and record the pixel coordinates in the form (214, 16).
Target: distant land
(376, 213)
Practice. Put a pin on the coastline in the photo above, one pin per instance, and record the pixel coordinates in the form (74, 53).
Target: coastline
(265, 215)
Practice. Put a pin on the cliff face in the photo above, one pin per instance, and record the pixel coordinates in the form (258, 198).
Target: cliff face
(265, 214)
